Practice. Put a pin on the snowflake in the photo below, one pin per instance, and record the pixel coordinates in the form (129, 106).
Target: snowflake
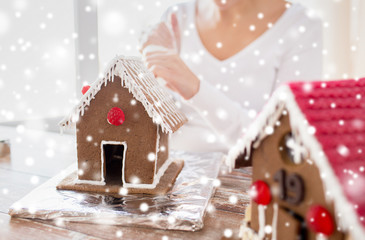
(143, 207)
(311, 130)
(211, 138)
(228, 233)
(171, 219)
(135, 180)
(29, 161)
(34, 180)
(151, 157)
(233, 199)
(260, 15)
(50, 153)
(123, 191)
(5, 191)
(222, 114)
(302, 29)
(343, 150)
(210, 208)
(219, 45)
(216, 182)
(118, 233)
(268, 229)
(269, 130)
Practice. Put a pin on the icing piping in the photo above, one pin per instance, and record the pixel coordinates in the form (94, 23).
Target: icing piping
(248, 233)
(157, 149)
(283, 97)
(91, 182)
(261, 221)
(156, 179)
(274, 222)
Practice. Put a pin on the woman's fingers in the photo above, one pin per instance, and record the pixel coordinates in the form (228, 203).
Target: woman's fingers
(176, 31)
(157, 35)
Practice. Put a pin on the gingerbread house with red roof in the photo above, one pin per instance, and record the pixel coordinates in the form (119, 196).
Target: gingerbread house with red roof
(307, 151)
(122, 125)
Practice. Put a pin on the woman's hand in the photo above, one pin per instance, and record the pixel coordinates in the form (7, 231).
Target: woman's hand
(160, 48)
(170, 67)
(161, 35)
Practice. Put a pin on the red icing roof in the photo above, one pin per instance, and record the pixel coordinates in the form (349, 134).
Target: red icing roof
(337, 111)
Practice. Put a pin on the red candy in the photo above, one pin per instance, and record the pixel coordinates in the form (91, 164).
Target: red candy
(85, 89)
(116, 116)
(320, 220)
(260, 193)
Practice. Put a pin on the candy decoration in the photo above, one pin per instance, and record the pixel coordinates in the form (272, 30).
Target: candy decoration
(320, 220)
(260, 192)
(85, 89)
(116, 116)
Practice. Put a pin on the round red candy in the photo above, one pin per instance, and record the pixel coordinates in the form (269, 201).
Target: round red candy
(260, 192)
(320, 220)
(85, 89)
(116, 116)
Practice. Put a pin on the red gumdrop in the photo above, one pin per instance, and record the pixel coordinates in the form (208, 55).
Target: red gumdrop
(260, 192)
(85, 89)
(320, 220)
(116, 116)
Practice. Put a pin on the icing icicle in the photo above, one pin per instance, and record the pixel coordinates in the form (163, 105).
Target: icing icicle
(261, 221)
(275, 222)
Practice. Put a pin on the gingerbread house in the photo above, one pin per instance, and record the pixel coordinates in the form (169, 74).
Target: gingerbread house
(307, 151)
(122, 125)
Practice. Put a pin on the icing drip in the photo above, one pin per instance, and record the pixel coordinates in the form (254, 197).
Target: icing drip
(320, 236)
(274, 222)
(261, 221)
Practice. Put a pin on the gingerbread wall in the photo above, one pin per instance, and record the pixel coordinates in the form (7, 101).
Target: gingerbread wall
(138, 131)
(267, 160)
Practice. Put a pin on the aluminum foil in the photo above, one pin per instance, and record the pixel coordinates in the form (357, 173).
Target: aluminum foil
(183, 207)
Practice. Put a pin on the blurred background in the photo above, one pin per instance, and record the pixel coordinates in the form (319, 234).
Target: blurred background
(50, 48)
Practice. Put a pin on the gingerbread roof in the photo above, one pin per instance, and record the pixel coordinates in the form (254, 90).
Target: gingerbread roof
(329, 119)
(142, 84)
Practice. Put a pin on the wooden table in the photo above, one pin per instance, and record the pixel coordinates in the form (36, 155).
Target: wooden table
(38, 155)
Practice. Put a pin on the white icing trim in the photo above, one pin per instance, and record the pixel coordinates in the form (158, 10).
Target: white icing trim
(283, 98)
(157, 149)
(261, 221)
(90, 182)
(320, 236)
(247, 233)
(156, 179)
(274, 222)
(139, 81)
(103, 166)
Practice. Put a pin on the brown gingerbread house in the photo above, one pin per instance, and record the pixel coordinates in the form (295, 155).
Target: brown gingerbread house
(122, 125)
(307, 151)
